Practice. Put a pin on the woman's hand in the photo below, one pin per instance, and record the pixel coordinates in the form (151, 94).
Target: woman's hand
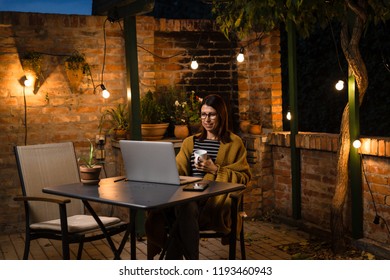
(207, 166)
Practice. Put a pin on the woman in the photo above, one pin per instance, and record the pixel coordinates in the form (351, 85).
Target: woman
(226, 162)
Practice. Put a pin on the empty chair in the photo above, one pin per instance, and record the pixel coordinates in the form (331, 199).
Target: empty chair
(54, 217)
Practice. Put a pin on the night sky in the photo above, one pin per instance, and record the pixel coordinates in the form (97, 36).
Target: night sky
(81, 7)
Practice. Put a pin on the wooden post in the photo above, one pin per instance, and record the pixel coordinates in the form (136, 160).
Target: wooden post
(355, 169)
(293, 100)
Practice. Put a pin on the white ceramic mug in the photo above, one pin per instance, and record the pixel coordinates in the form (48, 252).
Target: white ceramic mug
(200, 155)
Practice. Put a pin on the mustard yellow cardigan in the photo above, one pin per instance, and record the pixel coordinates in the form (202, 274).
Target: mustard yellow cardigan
(232, 167)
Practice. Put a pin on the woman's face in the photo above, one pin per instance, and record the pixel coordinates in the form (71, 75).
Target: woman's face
(209, 117)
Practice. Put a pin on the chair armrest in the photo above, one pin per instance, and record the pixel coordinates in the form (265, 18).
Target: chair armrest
(43, 199)
(237, 202)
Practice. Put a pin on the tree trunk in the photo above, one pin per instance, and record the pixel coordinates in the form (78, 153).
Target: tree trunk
(350, 38)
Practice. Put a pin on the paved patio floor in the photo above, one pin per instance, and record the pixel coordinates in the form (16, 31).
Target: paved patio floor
(264, 241)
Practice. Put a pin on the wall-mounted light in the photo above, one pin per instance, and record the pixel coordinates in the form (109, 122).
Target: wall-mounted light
(26, 81)
(339, 85)
(240, 56)
(194, 63)
(357, 144)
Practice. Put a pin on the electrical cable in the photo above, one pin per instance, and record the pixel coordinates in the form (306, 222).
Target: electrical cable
(334, 41)
(377, 216)
(152, 53)
(25, 115)
(162, 57)
(104, 50)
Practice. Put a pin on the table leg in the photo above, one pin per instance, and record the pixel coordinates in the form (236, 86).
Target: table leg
(102, 227)
(133, 213)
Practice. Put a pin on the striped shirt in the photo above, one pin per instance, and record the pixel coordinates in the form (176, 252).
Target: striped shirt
(211, 146)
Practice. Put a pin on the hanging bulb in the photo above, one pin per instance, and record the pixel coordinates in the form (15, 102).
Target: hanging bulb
(288, 115)
(105, 92)
(240, 56)
(339, 85)
(194, 63)
(357, 144)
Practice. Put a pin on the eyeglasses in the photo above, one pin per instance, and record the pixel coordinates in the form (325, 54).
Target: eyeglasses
(211, 116)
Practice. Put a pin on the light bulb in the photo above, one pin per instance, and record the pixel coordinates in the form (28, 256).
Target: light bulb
(194, 64)
(288, 115)
(27, 82)
(240, 56)
(339, 85)
(105, 92)
(357, 144)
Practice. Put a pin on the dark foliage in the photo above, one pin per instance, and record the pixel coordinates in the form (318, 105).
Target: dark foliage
(179, 9)
(320, 105)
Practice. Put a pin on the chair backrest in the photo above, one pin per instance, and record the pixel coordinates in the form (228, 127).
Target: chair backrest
(47, 165)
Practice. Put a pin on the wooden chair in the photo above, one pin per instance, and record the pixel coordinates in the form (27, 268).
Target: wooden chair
(237, 212)
(52, 217)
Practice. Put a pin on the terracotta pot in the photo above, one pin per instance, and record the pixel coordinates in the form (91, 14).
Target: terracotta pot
(120, 134)
(90, 175)
(244, 126)
(255, 129)
(181, 131)
(75, 76)
(151, 132)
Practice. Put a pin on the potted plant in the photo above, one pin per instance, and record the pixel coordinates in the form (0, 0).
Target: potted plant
(185, 114)
(194, 103)
(181, 130)
(255, 127)
(118, 118)
(154, 121)
(89, 168)
(76, 67)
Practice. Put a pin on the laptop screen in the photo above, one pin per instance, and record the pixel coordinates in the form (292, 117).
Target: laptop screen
(149, 161)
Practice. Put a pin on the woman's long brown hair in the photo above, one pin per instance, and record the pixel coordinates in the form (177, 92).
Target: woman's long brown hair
(217, 102)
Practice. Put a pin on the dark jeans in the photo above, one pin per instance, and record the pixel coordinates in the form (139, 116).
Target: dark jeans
(183, 225)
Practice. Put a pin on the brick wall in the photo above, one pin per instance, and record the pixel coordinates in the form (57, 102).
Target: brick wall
(55, 113)
(260, 84)
(252, 89)
(318, 175)
(258, 199)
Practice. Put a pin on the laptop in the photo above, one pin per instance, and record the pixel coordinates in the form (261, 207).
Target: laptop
(152, 161)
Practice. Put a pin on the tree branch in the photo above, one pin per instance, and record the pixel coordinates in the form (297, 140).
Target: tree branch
(358, 8)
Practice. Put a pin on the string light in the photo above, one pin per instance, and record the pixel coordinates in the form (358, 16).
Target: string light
(240, 56)
(105, 92)
(357, 144)
(339, 85)
(194, 63)
(288, 115)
